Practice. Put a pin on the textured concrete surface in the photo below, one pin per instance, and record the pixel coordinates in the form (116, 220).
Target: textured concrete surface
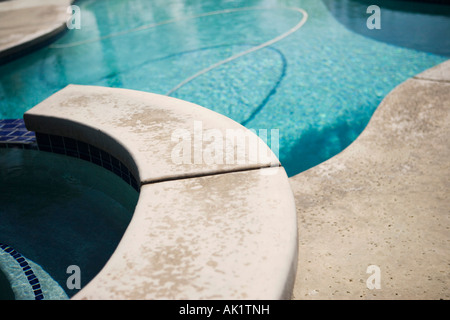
(27, 23)
(227, 236)
(383, 201)
(439, 73)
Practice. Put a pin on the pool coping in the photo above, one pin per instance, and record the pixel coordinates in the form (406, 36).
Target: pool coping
(201, 230)
(29, 33)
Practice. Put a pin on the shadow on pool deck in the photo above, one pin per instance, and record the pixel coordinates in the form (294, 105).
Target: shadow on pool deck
(382, 201)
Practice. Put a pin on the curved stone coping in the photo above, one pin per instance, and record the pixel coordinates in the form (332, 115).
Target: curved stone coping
(201, 230)
(145, 131)
(227, 236)
(382, 201)
(27, 24)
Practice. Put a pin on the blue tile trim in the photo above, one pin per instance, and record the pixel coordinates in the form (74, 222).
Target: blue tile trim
(26, 268)
(13, 134)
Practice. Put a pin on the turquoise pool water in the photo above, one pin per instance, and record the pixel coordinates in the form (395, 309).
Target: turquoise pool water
(58, 211)
(319, 85)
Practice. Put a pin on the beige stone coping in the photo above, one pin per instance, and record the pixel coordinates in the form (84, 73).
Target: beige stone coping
(200, 230)
(24, 24)
(145, 130)
(383, 201)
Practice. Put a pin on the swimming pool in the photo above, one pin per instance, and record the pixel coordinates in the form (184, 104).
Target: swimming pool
(308, 68)
(56, 212)
(319, 85)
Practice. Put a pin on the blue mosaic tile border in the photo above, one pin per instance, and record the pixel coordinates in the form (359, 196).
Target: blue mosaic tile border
(26, 268)
(13, 134)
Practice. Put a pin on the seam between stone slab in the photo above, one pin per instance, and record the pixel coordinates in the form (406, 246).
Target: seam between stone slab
(207, 174)
(181, 177)
(140, 150)
(434, 80)
(101, 287)
(121, 151)
(135, 169)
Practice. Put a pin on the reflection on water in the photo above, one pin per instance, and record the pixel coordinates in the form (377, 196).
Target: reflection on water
(422, 26)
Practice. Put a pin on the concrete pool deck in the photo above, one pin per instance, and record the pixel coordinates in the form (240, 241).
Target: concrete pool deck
(383, 201)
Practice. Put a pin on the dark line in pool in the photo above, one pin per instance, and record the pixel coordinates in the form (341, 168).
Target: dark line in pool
(256, 110)
(115, 73)
(26, 268)
(272, 92)
(264, 101)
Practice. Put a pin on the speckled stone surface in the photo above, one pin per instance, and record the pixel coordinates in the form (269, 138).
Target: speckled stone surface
(145, 131)
(440, 72)
(26, 23)
(227, 236)
(383, 201)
